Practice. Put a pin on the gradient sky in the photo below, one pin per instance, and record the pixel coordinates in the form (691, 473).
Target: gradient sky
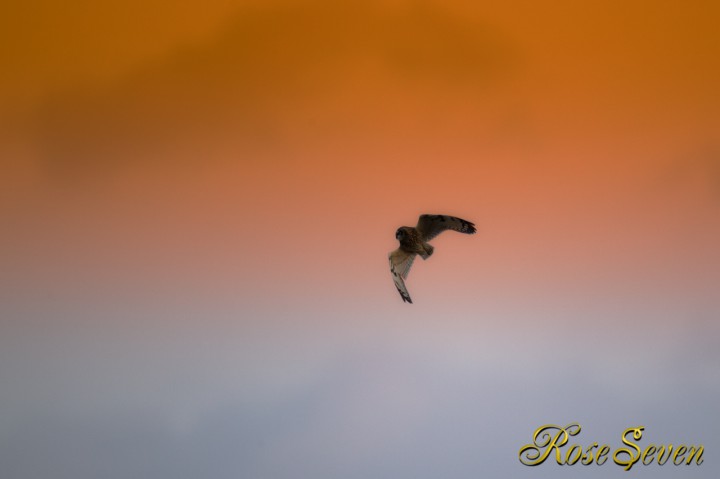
(198, 200)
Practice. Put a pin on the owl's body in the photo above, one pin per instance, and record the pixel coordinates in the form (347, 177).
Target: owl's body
(411, 241)
(414, 241)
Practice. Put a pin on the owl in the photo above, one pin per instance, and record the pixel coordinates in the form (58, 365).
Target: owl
(414, 241)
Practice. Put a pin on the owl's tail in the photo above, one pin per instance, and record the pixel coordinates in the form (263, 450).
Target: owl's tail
(428, 251)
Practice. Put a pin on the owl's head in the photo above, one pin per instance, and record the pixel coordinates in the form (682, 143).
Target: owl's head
(400, 234)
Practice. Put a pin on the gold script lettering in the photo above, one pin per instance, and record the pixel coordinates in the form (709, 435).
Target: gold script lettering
(632, 458)
(544, 442)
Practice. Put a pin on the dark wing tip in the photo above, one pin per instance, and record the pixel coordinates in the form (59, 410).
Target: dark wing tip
(467, 227)
(405, 297)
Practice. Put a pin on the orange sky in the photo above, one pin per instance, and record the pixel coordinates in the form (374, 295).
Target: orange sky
(173, 141)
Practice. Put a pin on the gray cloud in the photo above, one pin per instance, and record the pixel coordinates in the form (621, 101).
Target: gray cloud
(375, 401)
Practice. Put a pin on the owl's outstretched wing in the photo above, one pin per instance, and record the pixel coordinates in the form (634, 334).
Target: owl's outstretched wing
(430, 226)
(400, 263)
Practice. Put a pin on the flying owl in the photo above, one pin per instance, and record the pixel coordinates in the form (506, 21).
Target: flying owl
(414, 241)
